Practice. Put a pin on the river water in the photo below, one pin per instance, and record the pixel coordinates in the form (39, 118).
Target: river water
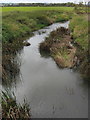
(51, 92)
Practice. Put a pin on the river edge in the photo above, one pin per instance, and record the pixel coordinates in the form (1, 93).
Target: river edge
(66, 53)
(59, 46)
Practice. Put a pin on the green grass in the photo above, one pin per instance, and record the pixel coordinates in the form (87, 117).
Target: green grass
(79, 29)
(20, 21)
(63, 9)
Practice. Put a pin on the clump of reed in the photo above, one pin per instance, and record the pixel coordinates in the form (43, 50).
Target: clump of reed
(11, 109)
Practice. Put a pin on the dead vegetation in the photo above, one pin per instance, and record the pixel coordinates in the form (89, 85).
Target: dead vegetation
(12, 110)
(60, 47)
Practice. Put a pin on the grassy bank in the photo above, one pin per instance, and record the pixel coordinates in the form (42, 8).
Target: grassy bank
(58, 44)
(79, 33)
(21, 21)
(17, 24)
(79, 30)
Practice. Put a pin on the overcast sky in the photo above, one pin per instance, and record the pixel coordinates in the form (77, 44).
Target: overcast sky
(40, 1)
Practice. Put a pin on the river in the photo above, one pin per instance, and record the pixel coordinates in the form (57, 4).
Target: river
(51, 92)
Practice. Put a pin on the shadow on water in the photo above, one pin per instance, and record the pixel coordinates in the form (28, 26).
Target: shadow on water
(44, 54)
(11, 68)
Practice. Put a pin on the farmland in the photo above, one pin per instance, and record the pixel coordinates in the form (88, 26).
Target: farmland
(62, 9)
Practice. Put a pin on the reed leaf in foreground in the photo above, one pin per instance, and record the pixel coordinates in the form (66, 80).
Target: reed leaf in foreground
(12, 110)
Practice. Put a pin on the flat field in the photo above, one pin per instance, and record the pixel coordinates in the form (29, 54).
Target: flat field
(7, 9)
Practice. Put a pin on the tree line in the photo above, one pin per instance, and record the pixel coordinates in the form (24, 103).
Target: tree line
(69, 4)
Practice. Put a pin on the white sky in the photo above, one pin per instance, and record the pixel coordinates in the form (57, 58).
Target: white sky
(40, 1)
